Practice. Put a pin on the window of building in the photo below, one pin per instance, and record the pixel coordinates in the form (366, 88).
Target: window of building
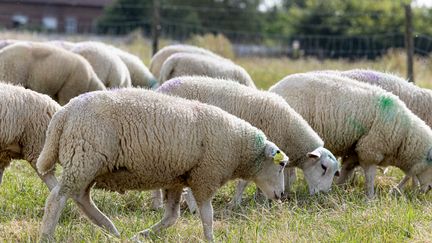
(71, 25)
(49, 23)
(19, 20)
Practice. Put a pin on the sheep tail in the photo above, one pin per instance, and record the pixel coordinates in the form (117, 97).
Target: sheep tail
(49, 155)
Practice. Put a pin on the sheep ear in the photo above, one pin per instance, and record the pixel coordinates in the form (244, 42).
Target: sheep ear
(316, 154)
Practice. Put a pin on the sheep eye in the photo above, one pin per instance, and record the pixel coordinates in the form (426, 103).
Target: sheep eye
(324, 168)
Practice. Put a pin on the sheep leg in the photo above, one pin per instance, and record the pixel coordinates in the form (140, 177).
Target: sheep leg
(206, 214)
(54, 205)
(190, 200)
(1, 175)
(370, 172)
(415, 181)
(236, 201)
(172, 212)
(87, 206)
(290, 178)
(403, 182)
(156, 199)
(49, 178)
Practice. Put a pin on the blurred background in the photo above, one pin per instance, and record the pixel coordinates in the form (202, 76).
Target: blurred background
(294, 29)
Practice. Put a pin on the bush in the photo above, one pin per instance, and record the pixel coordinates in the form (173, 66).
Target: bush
(216, 43)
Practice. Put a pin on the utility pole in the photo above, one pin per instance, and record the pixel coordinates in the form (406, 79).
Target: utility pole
(409, 42)
(156, 27)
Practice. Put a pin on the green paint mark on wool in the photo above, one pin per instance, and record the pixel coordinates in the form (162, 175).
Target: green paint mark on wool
(387, 107)
(386, 103)
(260, 139)
(259, 144)
(358, 127)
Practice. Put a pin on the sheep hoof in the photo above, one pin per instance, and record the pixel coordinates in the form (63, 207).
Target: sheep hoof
(395, 192)
(145, 234)
(156, 206)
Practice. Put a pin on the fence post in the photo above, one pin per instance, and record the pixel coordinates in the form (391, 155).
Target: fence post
(156, 27)
(409, 42)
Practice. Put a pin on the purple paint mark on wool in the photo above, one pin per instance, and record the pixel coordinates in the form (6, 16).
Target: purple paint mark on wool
(85, 95)
(167, 86)
(364, 75)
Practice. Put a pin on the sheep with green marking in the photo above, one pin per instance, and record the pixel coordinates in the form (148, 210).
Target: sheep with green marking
(362, 122)
(271, 114)
(417, 99)
(136, 139)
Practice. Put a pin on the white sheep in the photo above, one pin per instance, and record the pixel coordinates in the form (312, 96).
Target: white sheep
(25, 115)
(160, 57)
(191, 64)
(108, 66)
(139, 73)
(270, 113)
(417, 99)
(48, 70)
(362, 122)
(136, 139)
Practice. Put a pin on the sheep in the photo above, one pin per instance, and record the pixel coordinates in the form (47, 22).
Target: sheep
(271, 114)
(48, 70)
(139, 73)
(159, 58)
(107, 65)
(418, 100)
(364, 123)
(191, 64)
(137, 139)
(25, 115)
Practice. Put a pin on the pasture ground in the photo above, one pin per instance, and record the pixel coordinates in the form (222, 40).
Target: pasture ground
(341, 215)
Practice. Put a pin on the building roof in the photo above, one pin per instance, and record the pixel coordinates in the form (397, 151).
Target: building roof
(89, 3)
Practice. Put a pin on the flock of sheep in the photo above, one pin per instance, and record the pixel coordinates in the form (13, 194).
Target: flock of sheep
(203, 123)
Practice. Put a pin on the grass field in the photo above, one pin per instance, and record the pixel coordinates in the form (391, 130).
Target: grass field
(343, 215)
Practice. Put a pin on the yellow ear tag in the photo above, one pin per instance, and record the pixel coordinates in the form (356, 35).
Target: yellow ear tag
(278, 157)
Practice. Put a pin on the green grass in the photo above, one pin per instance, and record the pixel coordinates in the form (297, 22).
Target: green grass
(342, 215)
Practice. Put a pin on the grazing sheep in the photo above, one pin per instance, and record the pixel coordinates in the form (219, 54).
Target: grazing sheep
(159, 58)
(49, 70)
(25, 115)
(362, 122)
(191, 64)
(418, 100)
(136, 139)
(271, 114)
(108, 66)
(140, 74)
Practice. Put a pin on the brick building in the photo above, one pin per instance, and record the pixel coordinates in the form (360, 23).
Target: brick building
(69, 16)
